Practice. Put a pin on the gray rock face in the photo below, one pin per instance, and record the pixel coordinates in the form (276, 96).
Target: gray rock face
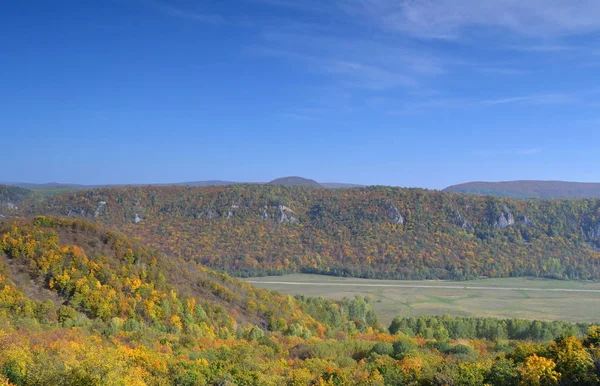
(101, 209)
(280, 214)
(73, 213)
(462, 222)
(231, 210)
(393, 214)
(210, 214)
(505, 220)
(11, 206)
(286, 215)
(527, 221)
(595, 232)
(138, 212)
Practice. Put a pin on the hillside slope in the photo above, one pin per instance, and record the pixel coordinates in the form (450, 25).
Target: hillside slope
(11, 198)
(376, 232)
(81, 305)
(102, 274)
(530, 189)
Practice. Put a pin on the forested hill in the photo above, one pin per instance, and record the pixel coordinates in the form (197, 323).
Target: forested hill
(296, 181)
(10, 196)
(77, 270)
(364, 232)
(530, 189)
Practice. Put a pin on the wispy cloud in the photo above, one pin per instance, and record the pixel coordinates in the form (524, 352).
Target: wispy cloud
(187, 14)
(593, 121)
(543, 20)
(501, 70)
(429, 105)
(532, 151)
(535, 99)
(448, 19)
(384, 48)
(387, 57)
(350, 72)
(540, 48)
(311, 6)
(503, 101)
(297, 117)
(369, 76)
(508, 152)
(451, 103)
(392, 54)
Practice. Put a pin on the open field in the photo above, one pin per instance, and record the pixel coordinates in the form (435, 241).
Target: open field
(573, 301)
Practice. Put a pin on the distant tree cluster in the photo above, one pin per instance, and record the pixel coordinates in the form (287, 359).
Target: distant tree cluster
(444, 327)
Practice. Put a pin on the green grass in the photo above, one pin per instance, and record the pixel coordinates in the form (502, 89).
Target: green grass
(502, 298)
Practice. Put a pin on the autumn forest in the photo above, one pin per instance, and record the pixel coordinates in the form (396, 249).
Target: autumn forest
(137, 286)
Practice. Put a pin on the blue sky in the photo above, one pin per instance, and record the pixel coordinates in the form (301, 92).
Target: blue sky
(397, 92)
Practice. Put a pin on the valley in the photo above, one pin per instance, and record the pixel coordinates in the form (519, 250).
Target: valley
(138, 285)
(300, 193)
(526, 298)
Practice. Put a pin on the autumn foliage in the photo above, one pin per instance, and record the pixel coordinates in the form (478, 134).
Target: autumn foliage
(374, 232)
(83, 305)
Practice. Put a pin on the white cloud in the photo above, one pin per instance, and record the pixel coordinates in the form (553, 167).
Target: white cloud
(536, 99)
(376, 58)
(348, 69)
(448, 19)
(377, 45)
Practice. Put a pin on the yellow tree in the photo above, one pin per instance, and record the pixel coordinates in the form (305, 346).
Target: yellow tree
(538, 371)
(574, 362)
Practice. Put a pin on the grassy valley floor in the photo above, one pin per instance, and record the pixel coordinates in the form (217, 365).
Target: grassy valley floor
(573, 301)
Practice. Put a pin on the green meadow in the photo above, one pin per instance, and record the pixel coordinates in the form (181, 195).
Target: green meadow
(573, 301)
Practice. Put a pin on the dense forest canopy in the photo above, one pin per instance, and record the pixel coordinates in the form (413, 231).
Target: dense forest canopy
(530, 189)
(13, 195)
(101, 274)
(84, 305)
(373, 232)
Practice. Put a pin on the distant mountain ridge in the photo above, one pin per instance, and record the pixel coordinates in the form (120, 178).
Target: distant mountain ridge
(58, 185)
(47, 185)
(529, 189)
(61, 187)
